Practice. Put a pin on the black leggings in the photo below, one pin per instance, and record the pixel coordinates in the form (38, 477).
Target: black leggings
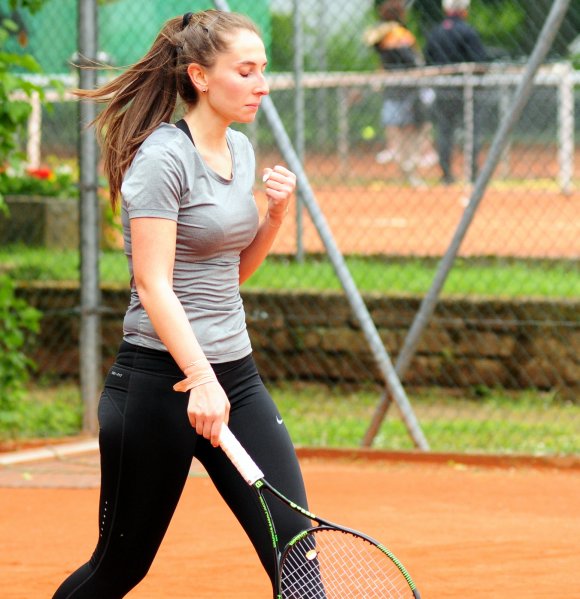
(147, 444)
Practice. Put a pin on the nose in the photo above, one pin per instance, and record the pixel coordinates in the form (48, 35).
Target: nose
(262, 88)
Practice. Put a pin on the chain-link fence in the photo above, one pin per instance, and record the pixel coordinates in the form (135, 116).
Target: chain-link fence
(498, 357)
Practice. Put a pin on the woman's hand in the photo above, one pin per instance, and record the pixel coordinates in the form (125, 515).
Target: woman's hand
(280, 184)
(208, 409)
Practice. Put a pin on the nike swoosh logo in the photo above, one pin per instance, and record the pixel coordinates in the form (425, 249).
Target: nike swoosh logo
(279, 420)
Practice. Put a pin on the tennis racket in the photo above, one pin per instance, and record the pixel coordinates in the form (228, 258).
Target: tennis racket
(325, 561)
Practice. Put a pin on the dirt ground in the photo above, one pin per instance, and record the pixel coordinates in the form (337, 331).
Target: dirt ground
(384, 219)
(371, 210)
(462, 530)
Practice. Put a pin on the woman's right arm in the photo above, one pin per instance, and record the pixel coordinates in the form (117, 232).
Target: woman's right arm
(153, 242)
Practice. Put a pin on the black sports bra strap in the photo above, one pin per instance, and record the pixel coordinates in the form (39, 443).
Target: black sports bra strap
(181, 124)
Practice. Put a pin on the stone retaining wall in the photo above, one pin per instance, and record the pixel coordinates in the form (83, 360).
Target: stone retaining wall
(514, 344)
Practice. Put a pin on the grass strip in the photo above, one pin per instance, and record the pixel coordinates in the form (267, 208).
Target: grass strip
(483, 420)
(482, 277)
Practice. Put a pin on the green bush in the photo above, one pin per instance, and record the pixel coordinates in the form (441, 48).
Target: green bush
(57, 183)
(14, 112)
(17, 321)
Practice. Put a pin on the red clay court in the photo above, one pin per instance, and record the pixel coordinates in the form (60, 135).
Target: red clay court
(370, 211)
(390, 220)
(479, 529)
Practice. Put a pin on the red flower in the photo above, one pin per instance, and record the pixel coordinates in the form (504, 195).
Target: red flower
(42, 172)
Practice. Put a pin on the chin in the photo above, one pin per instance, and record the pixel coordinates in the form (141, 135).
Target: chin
(247, 118)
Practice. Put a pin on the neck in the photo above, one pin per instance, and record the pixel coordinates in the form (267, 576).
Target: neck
(206, 129)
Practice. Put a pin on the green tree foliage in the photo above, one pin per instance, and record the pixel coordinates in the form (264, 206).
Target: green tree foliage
(30, 5)
(17, 322)
(14, 88)
(17, 319)
(343, 50)
(14, 110)
(281, 52)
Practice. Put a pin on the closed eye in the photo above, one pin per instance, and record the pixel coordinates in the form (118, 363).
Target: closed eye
(253, 67)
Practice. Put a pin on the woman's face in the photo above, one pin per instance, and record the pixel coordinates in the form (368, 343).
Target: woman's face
(236, 82)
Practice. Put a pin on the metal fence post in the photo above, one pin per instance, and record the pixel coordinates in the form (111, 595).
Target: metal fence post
(299, 118)
(566, 128)
(34, 131)
(342, 127)
(90, 296)
(469, 128)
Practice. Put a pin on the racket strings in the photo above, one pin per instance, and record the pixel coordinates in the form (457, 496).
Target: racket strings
(333, 564)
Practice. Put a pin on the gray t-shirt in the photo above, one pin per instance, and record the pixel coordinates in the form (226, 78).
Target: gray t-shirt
(216, 219)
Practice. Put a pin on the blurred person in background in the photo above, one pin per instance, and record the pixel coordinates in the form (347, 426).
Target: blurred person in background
(453, 41)
(403, 113)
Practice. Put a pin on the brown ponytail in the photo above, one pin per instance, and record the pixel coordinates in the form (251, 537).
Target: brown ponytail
(145, 95)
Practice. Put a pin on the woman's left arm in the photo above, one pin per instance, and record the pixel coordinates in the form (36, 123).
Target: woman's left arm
(280, 185)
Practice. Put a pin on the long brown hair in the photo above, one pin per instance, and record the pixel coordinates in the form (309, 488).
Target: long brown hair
(146, 94)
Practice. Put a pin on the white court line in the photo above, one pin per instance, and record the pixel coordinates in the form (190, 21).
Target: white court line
(49, 452)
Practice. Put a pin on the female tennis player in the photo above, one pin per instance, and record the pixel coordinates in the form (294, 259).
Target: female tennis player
(192, 235)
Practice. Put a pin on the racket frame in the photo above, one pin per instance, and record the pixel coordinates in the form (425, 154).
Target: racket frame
(255, 479)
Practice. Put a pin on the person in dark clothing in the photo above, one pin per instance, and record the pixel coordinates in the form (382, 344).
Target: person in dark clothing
(453, 41)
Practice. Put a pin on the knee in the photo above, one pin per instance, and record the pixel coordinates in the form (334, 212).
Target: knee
(134, 568)
(119, 574)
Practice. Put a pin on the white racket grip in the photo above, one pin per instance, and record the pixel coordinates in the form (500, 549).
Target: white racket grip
(239, 456)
